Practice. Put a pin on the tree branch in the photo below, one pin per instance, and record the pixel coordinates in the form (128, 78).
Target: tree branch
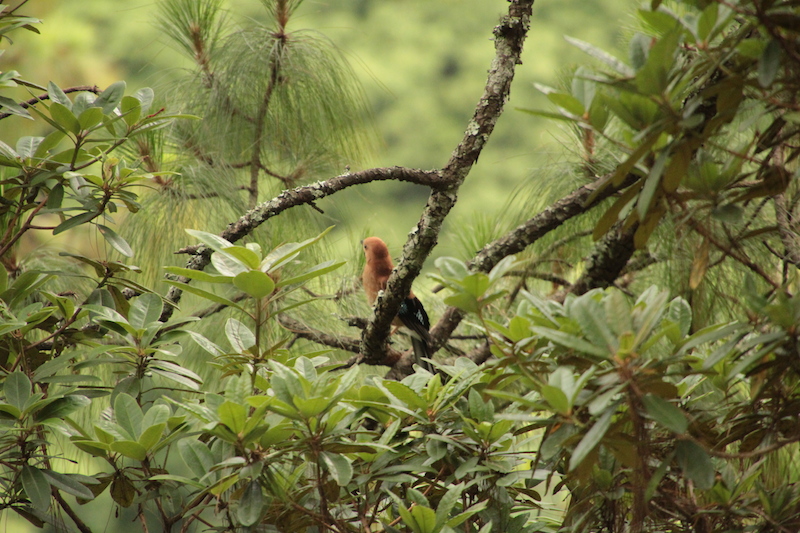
(509, 37)
(35, 100)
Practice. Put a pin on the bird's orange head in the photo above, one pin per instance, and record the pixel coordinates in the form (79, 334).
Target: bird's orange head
(375, 248)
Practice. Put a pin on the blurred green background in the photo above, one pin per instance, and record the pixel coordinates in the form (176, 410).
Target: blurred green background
(422, 64)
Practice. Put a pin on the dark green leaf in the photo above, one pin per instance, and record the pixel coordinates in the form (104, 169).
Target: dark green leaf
(17, 389)
(592, 438)
(251, 504)
(665, 413)
(696, 464)
(36, 487)
(110, 98)
(769, 63)
(119, 244)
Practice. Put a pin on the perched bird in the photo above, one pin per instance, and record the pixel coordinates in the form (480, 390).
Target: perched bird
(412, 314)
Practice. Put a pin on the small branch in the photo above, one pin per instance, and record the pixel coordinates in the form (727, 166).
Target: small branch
(82, 527)
(35, 100)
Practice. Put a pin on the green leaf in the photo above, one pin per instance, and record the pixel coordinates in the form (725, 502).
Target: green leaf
(152, 435)
(128, 414)
(233, 415)
(198, 275)
(145, 310)
(69, 484)
(62, 407)
(239, 335)
(319, 270)
(592, 438)
(557, 399)
(113, 238)
(75, 221)
(339, 467)
(131, 110)
(696, 464)
(57, 95)
(665, 413)
(570, 341)
(251, 504)
(36, 487)
(130, 449)
(109, 99)
(90, 117)
(425, 518)
(769, 63)
(64, 118)
(245, 256)
(602, 55)
(17, 389)
(255, 283)
(204, 294)
(197, 456)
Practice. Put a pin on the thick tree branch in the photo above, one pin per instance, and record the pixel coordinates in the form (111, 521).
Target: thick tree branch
(509, 37)
(605, 264)
(524, 235)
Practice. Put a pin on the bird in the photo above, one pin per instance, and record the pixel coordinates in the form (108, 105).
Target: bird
(412, 313)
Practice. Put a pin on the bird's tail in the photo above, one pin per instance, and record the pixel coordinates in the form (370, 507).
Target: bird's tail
(422, 352)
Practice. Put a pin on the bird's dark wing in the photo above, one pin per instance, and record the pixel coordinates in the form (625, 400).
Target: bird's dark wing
(413, 316)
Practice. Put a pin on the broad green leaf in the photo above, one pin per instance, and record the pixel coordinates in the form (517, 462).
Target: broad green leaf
(64, 118)
(570, 341)
(233, 415)
(130, 449)
(90, 117)
(665, 413)
(145, 310)
(110, 98)
(17, 389)
(557, 399)
(602, 55)
(696, 464)
(239, 335)
(283, 254)
(114, 239)
(425, 518)
(319, 270)
(205, 344)
(592, 438)
(36, 487)
(131, 110)
(69, 484)
(198, 275)
(769, 63)
(197, 456)
(244, 255)
(151, 435)
(128, 414)
(61, 407)
(255, 283)
(215, 242)
(204, 294)
(339, 467)
(251, 504)
(77, 220)
(57, 95)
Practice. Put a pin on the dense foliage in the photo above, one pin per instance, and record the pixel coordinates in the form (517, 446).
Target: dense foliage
(645, 381)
